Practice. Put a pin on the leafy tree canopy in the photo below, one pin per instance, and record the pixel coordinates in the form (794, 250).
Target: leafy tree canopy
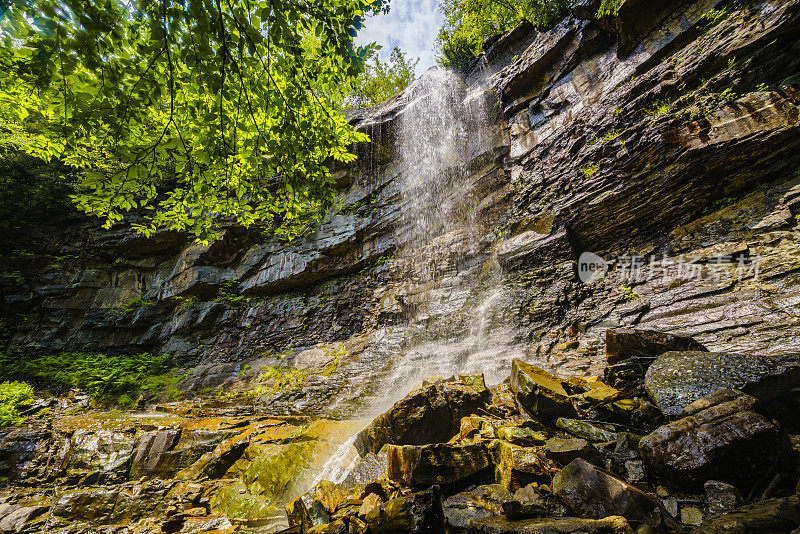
(467, 23)
(382, 80)
(194, 110)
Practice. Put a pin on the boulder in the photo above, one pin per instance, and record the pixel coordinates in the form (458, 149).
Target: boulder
(590, 492)
(725, 441)
(439, 463)
(521, 435)
(559, 525)
(541, 393)
(585, 430)
(150, 451)
(565, 450)
(722, 497)
(516, 467)
(626, 344)
(676, 379)
(371, 503)
(417, 512)
(770, 516)
(527, 502)
(463, 508)
(427, 415)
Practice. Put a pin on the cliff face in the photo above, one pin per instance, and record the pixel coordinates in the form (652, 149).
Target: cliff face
(669, 133)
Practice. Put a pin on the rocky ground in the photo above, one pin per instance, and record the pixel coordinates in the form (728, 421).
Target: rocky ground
(674, 438)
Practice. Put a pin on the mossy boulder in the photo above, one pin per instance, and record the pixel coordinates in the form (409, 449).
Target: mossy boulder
(540, 392)
(516, 467)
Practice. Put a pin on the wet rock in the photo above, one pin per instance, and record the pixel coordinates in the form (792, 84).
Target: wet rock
(676, 379)
(13, 517)
(329, 494)
(463, 508)
(94, 505)
(564, 450)
(440, 463)
(105, 453)
(770, 516)
(216, 463)
(585, 430)
(428, 415)
(21, 450)
(540, 392)
(561, 525)
(334, 527)
(722, 497)
(691, 515)
(521, 435)
(527, 502)
(516, 467)
(371, 503)
(645, 345)
(150, 451)
(592, 492)
(726, 441)
(416, 512)
(369, 467)
(297, 514)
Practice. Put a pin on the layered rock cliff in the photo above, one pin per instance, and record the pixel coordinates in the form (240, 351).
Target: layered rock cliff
(666, 132)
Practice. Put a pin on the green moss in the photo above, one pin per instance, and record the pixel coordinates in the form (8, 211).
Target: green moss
(273, 473)
(236, 502)
(130, 305)
(228, 295)
(590, 170)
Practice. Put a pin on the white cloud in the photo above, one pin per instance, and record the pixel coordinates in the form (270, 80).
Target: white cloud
(411, 24)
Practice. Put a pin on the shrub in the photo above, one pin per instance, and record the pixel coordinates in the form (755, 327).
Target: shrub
(105, 377)
(12, 396)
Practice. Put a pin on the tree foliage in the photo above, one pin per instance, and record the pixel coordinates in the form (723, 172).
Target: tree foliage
(194, 110)
(467, 23)
(382, 80)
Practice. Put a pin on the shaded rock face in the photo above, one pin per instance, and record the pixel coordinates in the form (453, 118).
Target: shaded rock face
(424, 465)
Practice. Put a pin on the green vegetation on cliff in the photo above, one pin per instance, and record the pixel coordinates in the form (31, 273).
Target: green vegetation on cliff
(468, 23)
(109, 379)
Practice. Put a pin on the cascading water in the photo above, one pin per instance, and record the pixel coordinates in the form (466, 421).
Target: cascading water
(455, 298)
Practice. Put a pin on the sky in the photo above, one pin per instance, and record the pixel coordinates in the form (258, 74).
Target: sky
(411, 24)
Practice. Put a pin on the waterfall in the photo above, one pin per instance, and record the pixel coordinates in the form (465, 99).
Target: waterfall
(455, 297)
